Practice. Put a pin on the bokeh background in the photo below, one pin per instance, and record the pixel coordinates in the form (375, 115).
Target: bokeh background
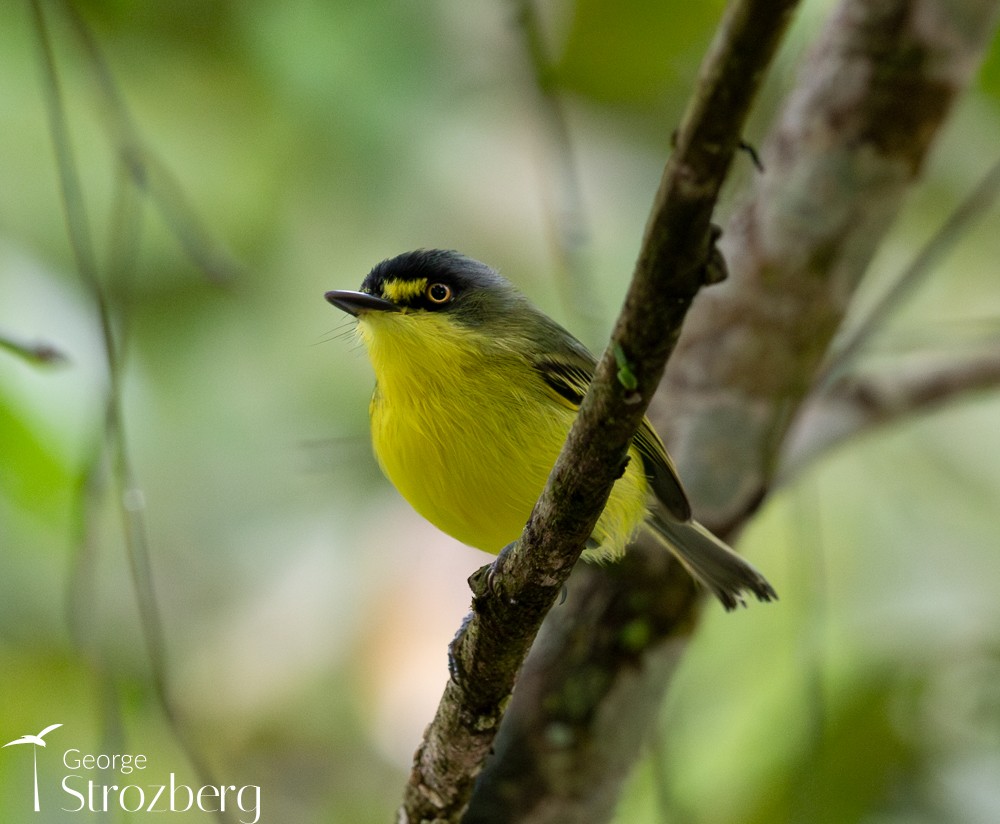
(306, 609)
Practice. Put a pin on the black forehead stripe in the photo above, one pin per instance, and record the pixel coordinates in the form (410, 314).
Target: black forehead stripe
(434, 264)
(421, 264)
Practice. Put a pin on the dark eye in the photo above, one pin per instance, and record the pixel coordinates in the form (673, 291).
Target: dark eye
(439, 293)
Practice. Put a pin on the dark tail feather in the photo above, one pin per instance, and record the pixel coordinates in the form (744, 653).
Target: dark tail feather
(712, 563)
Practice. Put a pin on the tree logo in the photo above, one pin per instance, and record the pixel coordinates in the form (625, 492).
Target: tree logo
(37, 741)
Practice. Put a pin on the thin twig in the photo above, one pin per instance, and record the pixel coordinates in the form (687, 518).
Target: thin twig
(86, 261)
(569, 225)
(856, 404)
(130, 497)
(958, 224)
(38, 352)
(146, 170)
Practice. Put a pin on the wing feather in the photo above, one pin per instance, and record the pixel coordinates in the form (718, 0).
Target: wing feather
(569, 381)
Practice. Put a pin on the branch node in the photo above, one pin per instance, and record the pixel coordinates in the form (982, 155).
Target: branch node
(715, 269)
(751, 150)
(481, 581)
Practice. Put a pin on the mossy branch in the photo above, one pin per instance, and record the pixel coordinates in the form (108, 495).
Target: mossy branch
(512, 596)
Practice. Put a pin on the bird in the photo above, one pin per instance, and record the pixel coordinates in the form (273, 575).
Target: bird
(38, 740)
(475, 392)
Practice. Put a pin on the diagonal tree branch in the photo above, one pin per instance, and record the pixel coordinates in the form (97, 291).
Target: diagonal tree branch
(870, 97)
(512, 598)
(855, 404)
(958, 223)
(843, 405)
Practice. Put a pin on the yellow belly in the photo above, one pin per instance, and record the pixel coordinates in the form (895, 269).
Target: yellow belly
(470, 449)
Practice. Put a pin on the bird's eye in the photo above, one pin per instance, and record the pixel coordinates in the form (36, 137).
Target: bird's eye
(439, 293)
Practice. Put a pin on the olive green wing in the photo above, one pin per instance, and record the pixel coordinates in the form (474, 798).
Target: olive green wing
(661, 472)
(569, 380)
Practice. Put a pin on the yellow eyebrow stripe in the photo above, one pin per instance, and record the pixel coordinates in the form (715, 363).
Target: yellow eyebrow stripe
(403, 291)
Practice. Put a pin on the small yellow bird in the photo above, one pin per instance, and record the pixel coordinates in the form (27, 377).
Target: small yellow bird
(475, 393)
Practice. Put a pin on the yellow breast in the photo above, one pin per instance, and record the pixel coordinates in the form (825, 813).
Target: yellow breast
(468, 433)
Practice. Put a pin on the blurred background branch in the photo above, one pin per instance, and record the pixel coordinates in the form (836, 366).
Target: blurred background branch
(114, 455)
(37, 352)
(569, 225)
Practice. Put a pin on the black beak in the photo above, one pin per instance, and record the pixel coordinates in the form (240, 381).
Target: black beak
(356, 302)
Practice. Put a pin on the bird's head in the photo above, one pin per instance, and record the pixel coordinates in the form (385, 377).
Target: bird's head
(431, 282)
(433, 306)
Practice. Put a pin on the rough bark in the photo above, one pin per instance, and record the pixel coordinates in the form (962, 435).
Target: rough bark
(512, 596)
(870, 97)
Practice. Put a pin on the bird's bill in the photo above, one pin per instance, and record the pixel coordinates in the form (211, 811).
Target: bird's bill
(356, 302)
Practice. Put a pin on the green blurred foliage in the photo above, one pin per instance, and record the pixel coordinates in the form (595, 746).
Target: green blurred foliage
(306, 609)
(989, 74)
(636, 53)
